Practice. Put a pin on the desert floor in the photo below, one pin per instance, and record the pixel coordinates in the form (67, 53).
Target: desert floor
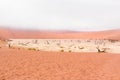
(23, 64)
(67, 45)
(36, 65)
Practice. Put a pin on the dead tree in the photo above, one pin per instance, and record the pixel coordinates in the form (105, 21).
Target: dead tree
(47, 42)
(101, 50)
(101, 46)
(9, 45)
(35, 41)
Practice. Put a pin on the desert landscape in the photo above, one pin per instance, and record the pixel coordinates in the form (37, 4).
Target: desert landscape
(67, 45)
(66, 55)
(59, 40)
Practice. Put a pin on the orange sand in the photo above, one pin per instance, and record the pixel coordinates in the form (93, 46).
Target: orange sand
(32, 65)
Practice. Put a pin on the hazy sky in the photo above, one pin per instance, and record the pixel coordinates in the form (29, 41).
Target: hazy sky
(61, 14)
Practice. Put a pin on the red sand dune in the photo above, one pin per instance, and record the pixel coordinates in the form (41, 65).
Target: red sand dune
(12, 33)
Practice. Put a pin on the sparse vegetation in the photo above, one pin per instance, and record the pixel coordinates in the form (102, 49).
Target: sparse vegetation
(62, 50)
(100, 46)
(112, 41)
(61, 47)
(69, 51)
(18, 48)
(80, 47)
(101, 50)
(36, 41)
(48, 42)
(32, 49)
(88, 40)
(9, 45)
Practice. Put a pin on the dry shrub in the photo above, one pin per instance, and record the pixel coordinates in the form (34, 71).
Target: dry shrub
(69, 51)
(18, 48)
(61, 47)
(62, 50)
(32, 49)
(36, 41)
(113, 41)
(81, 47)
(11, 47)
(48, 42)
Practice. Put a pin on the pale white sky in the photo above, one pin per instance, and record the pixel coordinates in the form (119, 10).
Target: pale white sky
(60, 14)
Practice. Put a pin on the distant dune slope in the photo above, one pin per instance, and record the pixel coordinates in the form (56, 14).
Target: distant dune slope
(13, 33)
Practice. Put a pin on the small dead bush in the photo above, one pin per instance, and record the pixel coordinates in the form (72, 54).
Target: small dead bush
(36, 41)
(18, 48)
(32, 49)
(81, 47)
(48, 42)
(113, 41)
(69, 51)
(61, 47)
(11, 47)
(62, 50)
